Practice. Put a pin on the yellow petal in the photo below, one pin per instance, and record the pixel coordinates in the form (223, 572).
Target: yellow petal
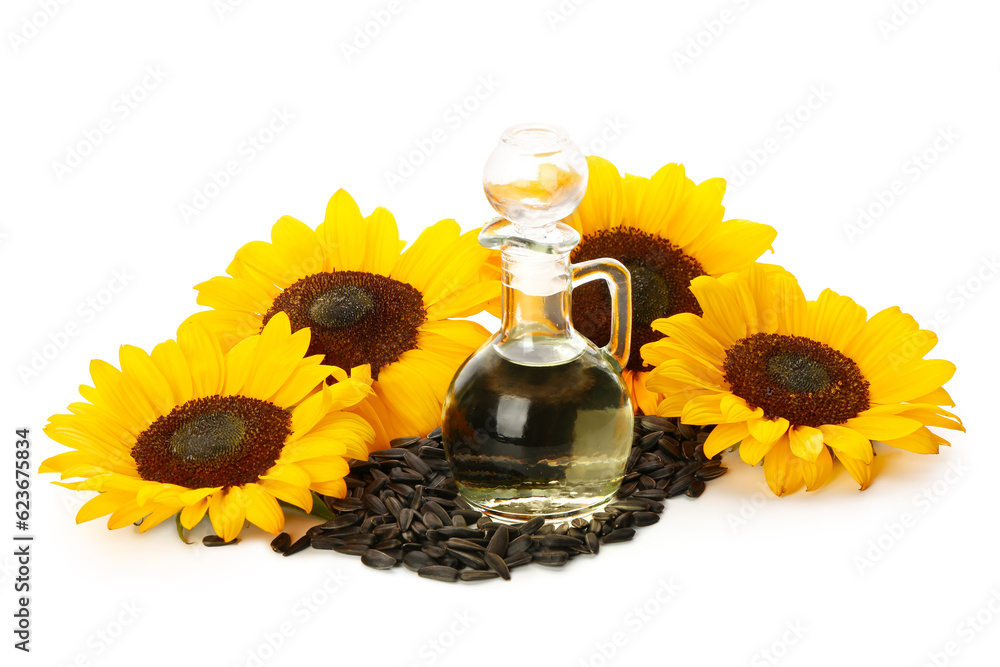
(721, 308)
(102, 505)
(159, 514)
(342, 234)
(465, 302)
(768, 431)
(752, 450)
(191, 515)
(736, 244)
(725, 436)
(298, 248)
(816, 474)
(833, 319)
(921, 441)
(204, 357)
(859, 470)
(806, 442)
(262, 510)
(381, 243)
(227, 512)
(603, 203)
(295, 495)
(911, 381)
(703, 410)
(848, 441)
(782, 471)
(882, 427)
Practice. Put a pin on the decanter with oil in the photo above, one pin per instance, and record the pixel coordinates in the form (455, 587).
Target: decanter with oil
(538, 422)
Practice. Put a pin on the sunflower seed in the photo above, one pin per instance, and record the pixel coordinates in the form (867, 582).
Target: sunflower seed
(216, 541)
(455, 531)
(689, 469)
(297, 546)
(470, 559)
(351, 549)
(470, 516)
(643, 519)
(432, 506)
(706, 473)
(279, 543)
(346, 505)
(417, 464)
(671, 447)
(518, 560)
(629, 505)
(405, 518)
(439, 573)
(388, 545)
(648, 441)
(518, 545)
(375, 504)
(434, 551)
(391, 454)
(550, 558)
(530, 527)
(560, 541)
(497, 564)
(403, 442)
(619, 535)
(654, 423)
(696, 488)
(326, 542)
(593, 543)
(342, 521)
(406, 476)
(386, 531)
(499, 542)
(417, 560)
(377, 560)
(679, 486)
(628, 489)
(478, 575)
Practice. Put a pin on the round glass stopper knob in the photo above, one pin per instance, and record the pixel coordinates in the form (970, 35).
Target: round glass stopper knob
(535, 176)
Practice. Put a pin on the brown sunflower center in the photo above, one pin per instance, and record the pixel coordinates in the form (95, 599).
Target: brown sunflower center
(355, 317)
(661, 278)
(805, 381)
(213, 441)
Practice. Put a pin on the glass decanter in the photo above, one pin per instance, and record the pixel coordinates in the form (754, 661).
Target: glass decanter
(538, 422)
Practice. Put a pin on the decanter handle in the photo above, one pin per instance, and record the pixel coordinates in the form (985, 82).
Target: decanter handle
(619, 283)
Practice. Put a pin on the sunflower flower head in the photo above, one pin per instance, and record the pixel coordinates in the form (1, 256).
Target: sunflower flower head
(666, 230)
(192, 429)
(796, 383)
(367, 303)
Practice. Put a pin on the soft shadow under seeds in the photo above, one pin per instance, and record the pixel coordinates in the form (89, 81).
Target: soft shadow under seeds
(402, 507)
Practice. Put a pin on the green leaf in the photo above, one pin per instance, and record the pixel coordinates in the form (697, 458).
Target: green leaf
(181, 532)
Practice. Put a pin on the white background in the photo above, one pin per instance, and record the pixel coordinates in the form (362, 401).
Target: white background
(746, 565)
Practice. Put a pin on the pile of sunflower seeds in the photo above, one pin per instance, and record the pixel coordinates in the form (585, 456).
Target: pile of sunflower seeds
(402, 506)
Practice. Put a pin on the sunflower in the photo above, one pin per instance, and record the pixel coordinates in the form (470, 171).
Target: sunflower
(791, 380)
(666, 230)
(191, 429)
(366, 302)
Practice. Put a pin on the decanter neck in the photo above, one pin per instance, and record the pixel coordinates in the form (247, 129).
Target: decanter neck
(536, 326)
